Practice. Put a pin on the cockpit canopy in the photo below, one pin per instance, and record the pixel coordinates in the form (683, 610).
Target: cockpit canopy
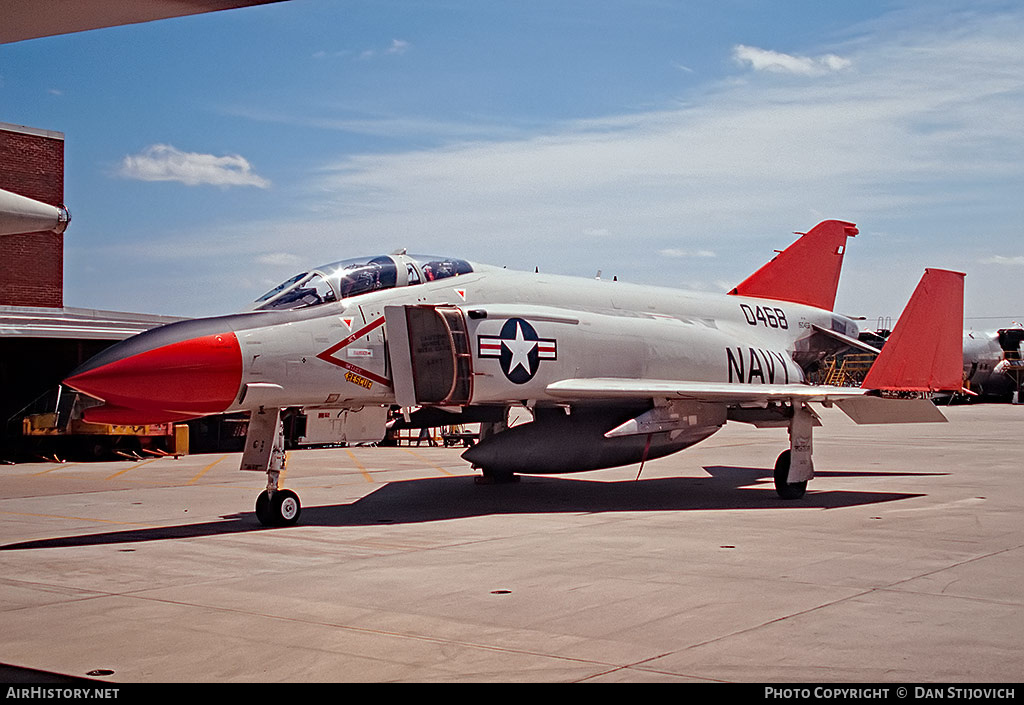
(351, 277)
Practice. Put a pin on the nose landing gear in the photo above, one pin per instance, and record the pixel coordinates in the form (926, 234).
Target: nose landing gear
(264, 452)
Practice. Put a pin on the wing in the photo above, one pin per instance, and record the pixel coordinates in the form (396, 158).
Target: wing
(722, 392)
(861, 405)
(28, 19)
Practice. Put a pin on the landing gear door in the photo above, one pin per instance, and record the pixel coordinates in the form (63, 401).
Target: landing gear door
(431, 362)
(397, 331)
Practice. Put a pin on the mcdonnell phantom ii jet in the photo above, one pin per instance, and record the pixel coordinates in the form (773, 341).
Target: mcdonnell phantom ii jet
(613, 373)
(994, 363)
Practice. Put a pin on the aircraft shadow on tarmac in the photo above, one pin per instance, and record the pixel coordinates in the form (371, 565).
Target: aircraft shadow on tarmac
(443, 498)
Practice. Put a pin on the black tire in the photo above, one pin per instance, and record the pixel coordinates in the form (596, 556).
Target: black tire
(785, 489)
(263, 509)
(281, 509)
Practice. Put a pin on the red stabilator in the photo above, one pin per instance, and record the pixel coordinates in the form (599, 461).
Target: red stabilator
(925, 351)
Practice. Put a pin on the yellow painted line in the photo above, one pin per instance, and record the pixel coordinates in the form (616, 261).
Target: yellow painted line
(436, 467)
(136, 466)
(362, 468)
(206, 470)
(56, 467)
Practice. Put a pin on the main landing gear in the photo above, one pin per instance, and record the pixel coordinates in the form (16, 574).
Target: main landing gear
(794, 467)
(784, 488)
(264, 452)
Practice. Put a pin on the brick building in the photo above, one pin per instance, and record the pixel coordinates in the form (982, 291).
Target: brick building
(32, 264)
(41, 340)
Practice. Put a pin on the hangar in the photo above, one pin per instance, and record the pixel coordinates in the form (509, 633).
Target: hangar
(41, 339)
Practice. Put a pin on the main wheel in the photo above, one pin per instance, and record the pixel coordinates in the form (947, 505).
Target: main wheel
(281, 509)
(783, 487)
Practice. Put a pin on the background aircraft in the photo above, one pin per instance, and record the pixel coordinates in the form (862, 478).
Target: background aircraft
(612, 373)
(19, 214)
(29, 19)
(993, 366)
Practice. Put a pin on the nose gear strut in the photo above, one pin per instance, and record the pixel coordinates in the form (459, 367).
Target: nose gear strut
(264, 451)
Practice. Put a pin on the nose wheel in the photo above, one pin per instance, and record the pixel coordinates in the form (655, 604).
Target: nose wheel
(278, 508)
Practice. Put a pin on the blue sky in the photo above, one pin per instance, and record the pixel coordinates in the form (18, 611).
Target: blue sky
(670, 143)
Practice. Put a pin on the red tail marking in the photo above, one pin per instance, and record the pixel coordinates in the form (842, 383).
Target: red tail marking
(925, 351)
(806, 272)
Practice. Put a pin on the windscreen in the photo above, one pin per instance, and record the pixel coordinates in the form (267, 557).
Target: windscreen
(331, 282)
(308, 289)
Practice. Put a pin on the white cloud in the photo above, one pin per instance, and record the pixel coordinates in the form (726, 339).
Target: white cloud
(677, 252)
(280, 259)
(1000, 259)
(920, 146)
(895, 146)
(896, 121)
(383, 125)
(776, 62)
(398, 46)
(162, 162)
(324, 54)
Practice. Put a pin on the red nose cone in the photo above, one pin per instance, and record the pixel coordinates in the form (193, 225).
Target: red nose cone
(193, 377)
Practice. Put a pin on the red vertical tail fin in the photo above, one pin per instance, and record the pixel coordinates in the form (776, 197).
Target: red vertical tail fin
(925, 351)
(806, 272)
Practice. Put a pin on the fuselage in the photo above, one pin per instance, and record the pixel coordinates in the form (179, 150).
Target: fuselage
(524, 331)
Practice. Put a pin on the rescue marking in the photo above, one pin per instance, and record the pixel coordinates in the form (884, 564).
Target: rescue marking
(356, 379)
(328, 354)
(518, 349)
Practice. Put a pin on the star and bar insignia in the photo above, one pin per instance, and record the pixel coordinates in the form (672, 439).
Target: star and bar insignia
(518, 349)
